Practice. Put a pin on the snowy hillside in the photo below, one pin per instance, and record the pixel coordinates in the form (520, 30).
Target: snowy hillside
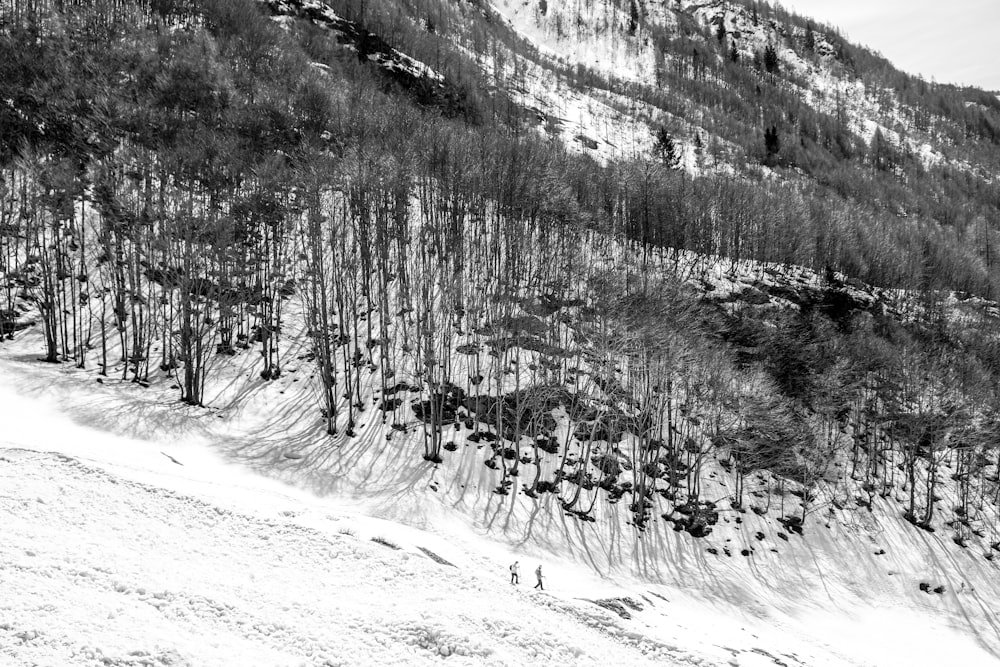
(139, 543)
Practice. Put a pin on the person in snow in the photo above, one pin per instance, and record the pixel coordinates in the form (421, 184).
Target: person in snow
(513, 573)
(538, 575)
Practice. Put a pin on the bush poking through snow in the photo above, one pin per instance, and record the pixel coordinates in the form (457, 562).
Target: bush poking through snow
(386, 543)
(792, 524)
(434, 557)
(615, 606)
(695, 518)
(618, 605)
(608, 464)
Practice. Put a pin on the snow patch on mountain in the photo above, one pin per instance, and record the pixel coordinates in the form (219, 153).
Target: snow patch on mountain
(596, 36)
(351, 35)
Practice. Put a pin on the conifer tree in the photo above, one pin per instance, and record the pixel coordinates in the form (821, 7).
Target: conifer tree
(633, 17)
(771, 63)
(665, 148)
(772, 144)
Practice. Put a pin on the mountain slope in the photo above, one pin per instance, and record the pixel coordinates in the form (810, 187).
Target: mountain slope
(701, 320)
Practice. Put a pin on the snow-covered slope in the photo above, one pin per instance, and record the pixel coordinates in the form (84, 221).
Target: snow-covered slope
(145, 546)
(598, 37)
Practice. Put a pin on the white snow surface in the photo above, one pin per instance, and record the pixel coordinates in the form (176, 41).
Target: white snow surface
(133, 535)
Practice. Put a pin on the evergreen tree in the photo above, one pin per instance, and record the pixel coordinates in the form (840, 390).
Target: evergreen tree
(810, 38)
(665, 148)
(771, 63)
(883, 154)
(772, 144)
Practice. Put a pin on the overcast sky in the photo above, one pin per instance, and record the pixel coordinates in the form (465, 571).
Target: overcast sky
(951, 41)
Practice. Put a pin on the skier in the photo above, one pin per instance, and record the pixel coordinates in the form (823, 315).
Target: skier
(513, 573)
(538, 575)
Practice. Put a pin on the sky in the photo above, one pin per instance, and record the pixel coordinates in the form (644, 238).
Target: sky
(950, 42)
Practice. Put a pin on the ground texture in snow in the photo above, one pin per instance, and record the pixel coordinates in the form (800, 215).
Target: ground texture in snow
(100, 569)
